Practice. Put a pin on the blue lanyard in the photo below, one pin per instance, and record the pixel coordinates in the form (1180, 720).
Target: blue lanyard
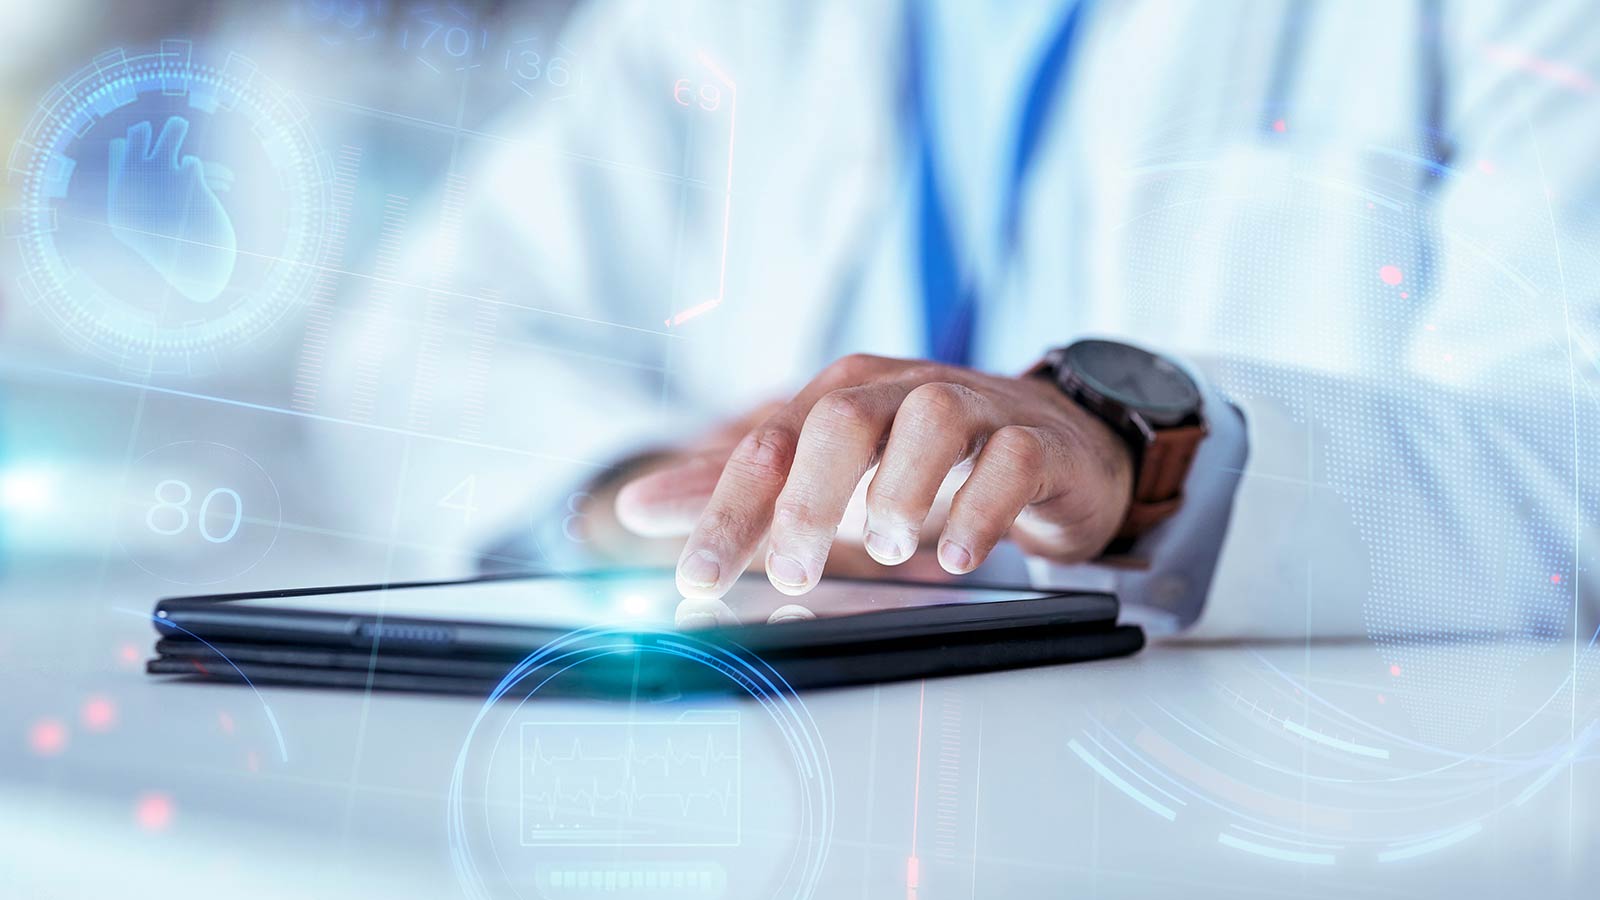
(949, 298)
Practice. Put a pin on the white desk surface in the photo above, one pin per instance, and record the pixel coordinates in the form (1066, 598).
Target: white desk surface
(1013, 798)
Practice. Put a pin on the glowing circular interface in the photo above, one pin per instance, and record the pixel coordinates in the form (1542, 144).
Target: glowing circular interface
(170, 208)
(1476, 687)
(692, 795)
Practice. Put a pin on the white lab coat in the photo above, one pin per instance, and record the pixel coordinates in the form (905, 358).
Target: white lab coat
(1222, 181)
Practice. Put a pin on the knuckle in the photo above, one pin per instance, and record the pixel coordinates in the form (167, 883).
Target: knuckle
(926, 373)
(855, 366)
(766, 455)
(975, 506)
(1019, 449)
(884, 491)
(843, 409)
(939, 401)
(888, 500)
(793, 515)
(718, 526)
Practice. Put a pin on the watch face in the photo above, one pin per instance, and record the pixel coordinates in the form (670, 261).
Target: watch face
(1137, 379)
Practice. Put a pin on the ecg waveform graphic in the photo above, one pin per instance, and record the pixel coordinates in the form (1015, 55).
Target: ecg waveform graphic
(660, 782)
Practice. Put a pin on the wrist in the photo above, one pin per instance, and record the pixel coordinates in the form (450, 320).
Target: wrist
(1150, 405)
(1105, 467)
(1115, 469)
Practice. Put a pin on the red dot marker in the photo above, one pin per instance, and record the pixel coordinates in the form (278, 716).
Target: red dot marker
(1395, 671)
(99, 714)
(1280, 126)
(1555, 579)
(47, 737)
(154, 811)
(1391, 275)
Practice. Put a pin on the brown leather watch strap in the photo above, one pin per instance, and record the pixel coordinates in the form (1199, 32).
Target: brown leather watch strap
(1158, 492)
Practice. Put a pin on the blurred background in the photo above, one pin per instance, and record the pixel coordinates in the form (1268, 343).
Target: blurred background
(358, 404)
(392, 92)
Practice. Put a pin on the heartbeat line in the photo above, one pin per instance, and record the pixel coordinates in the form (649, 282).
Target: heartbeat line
(646, 783)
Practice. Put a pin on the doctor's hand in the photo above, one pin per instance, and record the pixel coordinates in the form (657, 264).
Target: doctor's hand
(1040, 471)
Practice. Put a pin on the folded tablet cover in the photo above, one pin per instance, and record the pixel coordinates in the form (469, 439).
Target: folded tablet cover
(386, 670)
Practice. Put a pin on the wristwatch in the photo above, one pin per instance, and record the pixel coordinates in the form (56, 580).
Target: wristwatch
(1153, 405)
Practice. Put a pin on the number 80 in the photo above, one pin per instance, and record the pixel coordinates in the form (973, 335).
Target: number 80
(179, 506)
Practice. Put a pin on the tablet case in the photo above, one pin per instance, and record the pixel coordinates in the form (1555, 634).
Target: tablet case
(386, 670)
(258, 652)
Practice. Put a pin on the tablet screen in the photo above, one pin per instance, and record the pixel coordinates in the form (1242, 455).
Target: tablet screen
(634, 600)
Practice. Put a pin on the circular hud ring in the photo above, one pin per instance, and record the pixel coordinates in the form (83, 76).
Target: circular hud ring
(477, 857)
(169, 209)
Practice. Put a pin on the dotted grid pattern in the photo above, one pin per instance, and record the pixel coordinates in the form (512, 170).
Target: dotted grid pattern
(585, 882)
(1426, 548)
(88, 315)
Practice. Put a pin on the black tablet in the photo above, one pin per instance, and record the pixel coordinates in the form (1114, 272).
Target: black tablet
(463, 635)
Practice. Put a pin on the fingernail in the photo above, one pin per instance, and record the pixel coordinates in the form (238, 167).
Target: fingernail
(697, 620)
(700, 569)
(955, 558)
(887, 549)
(786, 570)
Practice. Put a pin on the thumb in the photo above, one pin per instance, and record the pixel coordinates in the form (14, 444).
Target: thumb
(667, 502)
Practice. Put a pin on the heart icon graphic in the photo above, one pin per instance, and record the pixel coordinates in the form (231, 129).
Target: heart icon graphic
(160, 206)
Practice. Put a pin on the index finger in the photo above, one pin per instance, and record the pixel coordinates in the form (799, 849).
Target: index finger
(736, 518)
(728, 533)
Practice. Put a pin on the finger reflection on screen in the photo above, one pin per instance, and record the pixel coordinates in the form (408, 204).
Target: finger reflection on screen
(748, 606)
(752, 601)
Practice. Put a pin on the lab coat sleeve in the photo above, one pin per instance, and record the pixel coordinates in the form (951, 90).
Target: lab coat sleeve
(1454, 494)
(1452, 491)
(543, 356)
